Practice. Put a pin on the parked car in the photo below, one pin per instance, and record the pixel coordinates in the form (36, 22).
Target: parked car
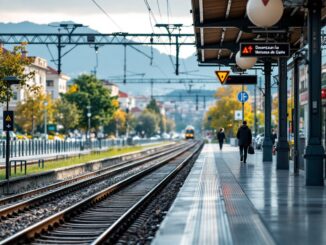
(256, 141)
(260, 142)
(136, 137)
(155, 137)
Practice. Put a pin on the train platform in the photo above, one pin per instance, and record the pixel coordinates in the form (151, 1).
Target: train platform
(225, 202)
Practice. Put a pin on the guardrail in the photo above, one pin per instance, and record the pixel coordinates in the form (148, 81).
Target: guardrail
(25, 148)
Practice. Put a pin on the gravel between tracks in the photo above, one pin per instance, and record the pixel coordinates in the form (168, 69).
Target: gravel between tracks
(143, 229)
(19, 222)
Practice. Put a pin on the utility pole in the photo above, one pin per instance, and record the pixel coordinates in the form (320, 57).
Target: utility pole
(243, 116)
(89, 114)
(196, 102)
(11, 80)
(267, 144)
(255, 110)
(45, 119)
(314, 154)
(124, 64)
(33, 118)
(96, 60)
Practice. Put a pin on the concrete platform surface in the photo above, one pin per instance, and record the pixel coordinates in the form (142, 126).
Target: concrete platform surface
(225, 202)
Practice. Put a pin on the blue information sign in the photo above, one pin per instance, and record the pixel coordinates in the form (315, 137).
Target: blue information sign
(243, 97)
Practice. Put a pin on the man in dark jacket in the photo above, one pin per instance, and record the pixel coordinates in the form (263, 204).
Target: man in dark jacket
(244, 137)
(221, 137)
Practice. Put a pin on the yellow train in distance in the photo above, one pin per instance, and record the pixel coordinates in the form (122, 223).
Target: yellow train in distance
(190, 132)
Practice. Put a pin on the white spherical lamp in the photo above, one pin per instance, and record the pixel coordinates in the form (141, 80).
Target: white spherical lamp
(265, 13)
(245, 62)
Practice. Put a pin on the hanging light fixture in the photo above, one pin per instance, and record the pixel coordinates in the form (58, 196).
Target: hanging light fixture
(265, 13)
(245, 62)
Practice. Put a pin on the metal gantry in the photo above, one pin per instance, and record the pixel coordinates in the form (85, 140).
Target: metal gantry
(62, 40)
(165, 80)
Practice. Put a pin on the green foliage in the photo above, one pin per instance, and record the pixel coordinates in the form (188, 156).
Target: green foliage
(160, 119)
(13, 64)
(67, 114)
(90, 91)
(152, 106)
(170, 125)
(147, 123)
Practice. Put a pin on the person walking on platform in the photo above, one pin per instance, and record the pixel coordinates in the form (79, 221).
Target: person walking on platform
(244, 137)
(221, 137)
(274, 137)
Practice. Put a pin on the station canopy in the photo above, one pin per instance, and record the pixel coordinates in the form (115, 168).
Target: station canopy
(221, 25)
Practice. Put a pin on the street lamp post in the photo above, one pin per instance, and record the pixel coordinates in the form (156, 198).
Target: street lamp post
(89, 114)
(10, 80)
(45, 119)
(127, 121)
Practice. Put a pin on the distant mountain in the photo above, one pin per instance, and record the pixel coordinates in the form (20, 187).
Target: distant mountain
(110, 60)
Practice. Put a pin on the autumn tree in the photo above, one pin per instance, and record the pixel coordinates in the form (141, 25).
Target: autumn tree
(30, 112)
(14, 63)
(275, 110)
(221, 115)
(120, 119)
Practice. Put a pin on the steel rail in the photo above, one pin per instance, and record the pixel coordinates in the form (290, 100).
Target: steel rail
(93, 178)
(55, 220)
(19, 196)
(110, 234)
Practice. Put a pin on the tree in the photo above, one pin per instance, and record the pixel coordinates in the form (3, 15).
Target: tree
(89, 91)
(120, 119)
(13, 64)
(30, 112)
(170, 125)
(67, 114)
(147, 123)
(160, 120)
(275, 110)
(222, 113)
(152, 106)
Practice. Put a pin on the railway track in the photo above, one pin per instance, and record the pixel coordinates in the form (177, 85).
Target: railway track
(14, 203)
(102, 216)
(18, 216)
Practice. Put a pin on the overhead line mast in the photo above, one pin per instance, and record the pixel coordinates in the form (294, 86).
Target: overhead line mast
(120, 38)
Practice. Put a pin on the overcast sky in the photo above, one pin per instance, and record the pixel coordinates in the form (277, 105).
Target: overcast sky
(131, 15)
(127, 15)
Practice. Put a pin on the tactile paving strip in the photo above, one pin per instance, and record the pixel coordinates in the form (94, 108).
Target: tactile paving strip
(245, 223)
(198, 215)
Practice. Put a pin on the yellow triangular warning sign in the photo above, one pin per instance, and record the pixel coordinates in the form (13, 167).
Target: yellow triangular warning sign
(8, 119)
(222, 75)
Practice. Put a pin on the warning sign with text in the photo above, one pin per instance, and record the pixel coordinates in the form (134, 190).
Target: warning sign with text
(8, 121)
(264, 49)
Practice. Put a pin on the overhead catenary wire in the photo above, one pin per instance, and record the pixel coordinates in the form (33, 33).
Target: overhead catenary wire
(152, 16)
(119, 27)
(159, 8)
(107, 14)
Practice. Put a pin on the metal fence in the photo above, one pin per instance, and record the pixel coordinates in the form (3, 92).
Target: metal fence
(21, 148)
